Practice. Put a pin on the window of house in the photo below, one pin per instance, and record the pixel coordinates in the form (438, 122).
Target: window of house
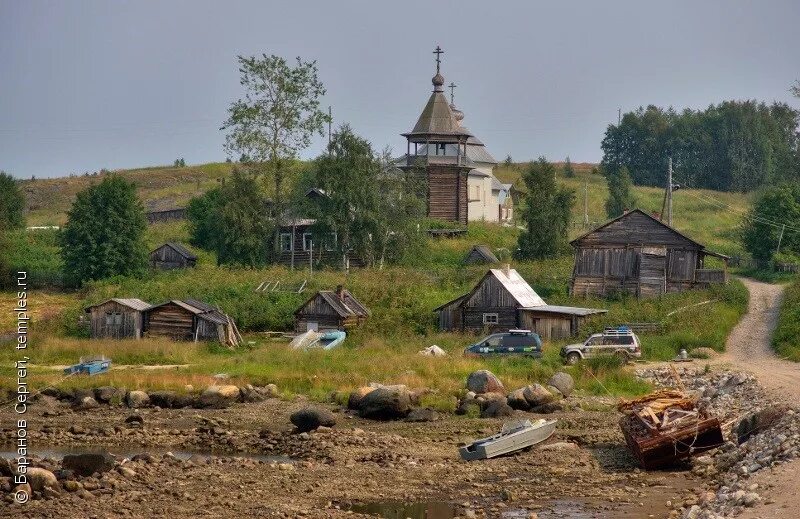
(490, 319)
(286, 242)
(307, 241)
(440, 149)
(330, 243)
(113, 318)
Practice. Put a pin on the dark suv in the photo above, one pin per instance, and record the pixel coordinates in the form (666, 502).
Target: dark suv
(512, 342)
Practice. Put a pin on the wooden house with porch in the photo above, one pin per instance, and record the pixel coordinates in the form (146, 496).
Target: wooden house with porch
(503, 300)
(172, 255)
(330, 310)
(117, 318)
(637, 254)
(190, 320)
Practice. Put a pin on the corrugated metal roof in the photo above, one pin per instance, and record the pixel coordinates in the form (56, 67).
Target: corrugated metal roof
(135, 304)
(569, 310)
(519, 289)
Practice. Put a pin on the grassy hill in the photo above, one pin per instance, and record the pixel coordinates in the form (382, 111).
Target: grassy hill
(401, 298)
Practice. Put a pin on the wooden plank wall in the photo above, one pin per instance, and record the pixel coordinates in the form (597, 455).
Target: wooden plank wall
(165, 257)
(170, 320)
(548, 325)
(131, 326)
(447, 194)
(637, 229)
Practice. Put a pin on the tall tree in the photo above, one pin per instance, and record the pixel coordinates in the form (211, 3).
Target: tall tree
(277, 117)
(796, 88)
(368, 207)
(620, 198)
(202, 214)
(244, 229)
(12, 203)
(104, 234)
(547, 213)
(773, 208)
(568, 170)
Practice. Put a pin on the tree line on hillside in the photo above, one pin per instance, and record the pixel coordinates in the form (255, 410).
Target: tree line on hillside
(731, 146)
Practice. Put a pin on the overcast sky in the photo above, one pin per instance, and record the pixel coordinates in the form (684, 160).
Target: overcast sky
(93, 84)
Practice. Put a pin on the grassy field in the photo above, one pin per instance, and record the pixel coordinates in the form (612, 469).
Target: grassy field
(401, 299)
(786, 339)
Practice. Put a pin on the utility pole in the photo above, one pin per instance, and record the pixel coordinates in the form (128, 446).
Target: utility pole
(330, 120)
(669, 193)
(780, 238)
(619, 116)
(311, 258)
(585, 204)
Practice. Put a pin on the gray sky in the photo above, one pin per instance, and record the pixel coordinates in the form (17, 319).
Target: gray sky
(117, 84)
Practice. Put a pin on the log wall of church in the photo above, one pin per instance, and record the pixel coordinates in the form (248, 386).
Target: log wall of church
(447, 194)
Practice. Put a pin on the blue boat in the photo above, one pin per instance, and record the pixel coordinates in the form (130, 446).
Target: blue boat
(332, 339)
(89, 366)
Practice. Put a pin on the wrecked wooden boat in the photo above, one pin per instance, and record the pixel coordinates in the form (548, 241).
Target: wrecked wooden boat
(513, 437)
(666, 426)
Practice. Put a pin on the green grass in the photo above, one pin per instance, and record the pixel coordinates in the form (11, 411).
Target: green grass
(786, 339)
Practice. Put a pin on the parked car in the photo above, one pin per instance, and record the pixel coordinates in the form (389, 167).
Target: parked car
(512, 342)
(620, 341)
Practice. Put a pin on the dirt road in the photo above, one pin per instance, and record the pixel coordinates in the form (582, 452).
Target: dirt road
(748, 348)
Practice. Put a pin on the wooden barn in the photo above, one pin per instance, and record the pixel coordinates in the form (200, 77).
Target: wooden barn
(166, 215)
(330, 310)
(190, 320)
(480, 254)
(638, 254)
(117, 319)
(172, 255)
(503, 300)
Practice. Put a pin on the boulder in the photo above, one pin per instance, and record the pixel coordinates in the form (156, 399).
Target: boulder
(497, 409)
(80, 393)
(484, 381)
(136, 399)
(354, 401)
(422, 414)
(517, 400)
(170, 400)
(385, 403)
(135, 420)
(86, 402)
(40, 478)
(465, 406)
(550, 407)
(310, 418)
(7, 469)
(563, 382)
(537, 394)
(88, 463)
(253, 394)
(107, 394)
(218, 397)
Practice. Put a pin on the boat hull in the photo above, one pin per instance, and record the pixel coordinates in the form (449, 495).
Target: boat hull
(506, 443)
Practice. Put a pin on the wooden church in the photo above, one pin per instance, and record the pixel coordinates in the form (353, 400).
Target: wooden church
(456, 165)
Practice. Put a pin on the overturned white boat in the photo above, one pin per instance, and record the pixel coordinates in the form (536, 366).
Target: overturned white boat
(513, 437)
(326, 340)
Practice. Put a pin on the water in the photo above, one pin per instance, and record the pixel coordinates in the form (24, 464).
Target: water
(59, 451)
(400, 510)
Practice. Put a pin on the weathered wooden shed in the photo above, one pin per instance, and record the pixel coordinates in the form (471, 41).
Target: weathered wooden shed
(117, 319)
(190, 320)
(638, 254)
(172, 255)
(330, 310)
(480, 254)
(503, 300)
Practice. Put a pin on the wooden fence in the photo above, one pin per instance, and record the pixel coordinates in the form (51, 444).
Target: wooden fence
(710, 276)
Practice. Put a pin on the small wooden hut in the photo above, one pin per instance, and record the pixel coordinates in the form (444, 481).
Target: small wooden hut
(172, 255)
(503, 300)
(191, 320)
(117, 319)
(480, 254)
(330, 310)
(640, 255)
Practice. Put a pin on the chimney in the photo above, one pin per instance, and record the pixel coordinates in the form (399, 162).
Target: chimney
(507, 269)
(340, 292)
